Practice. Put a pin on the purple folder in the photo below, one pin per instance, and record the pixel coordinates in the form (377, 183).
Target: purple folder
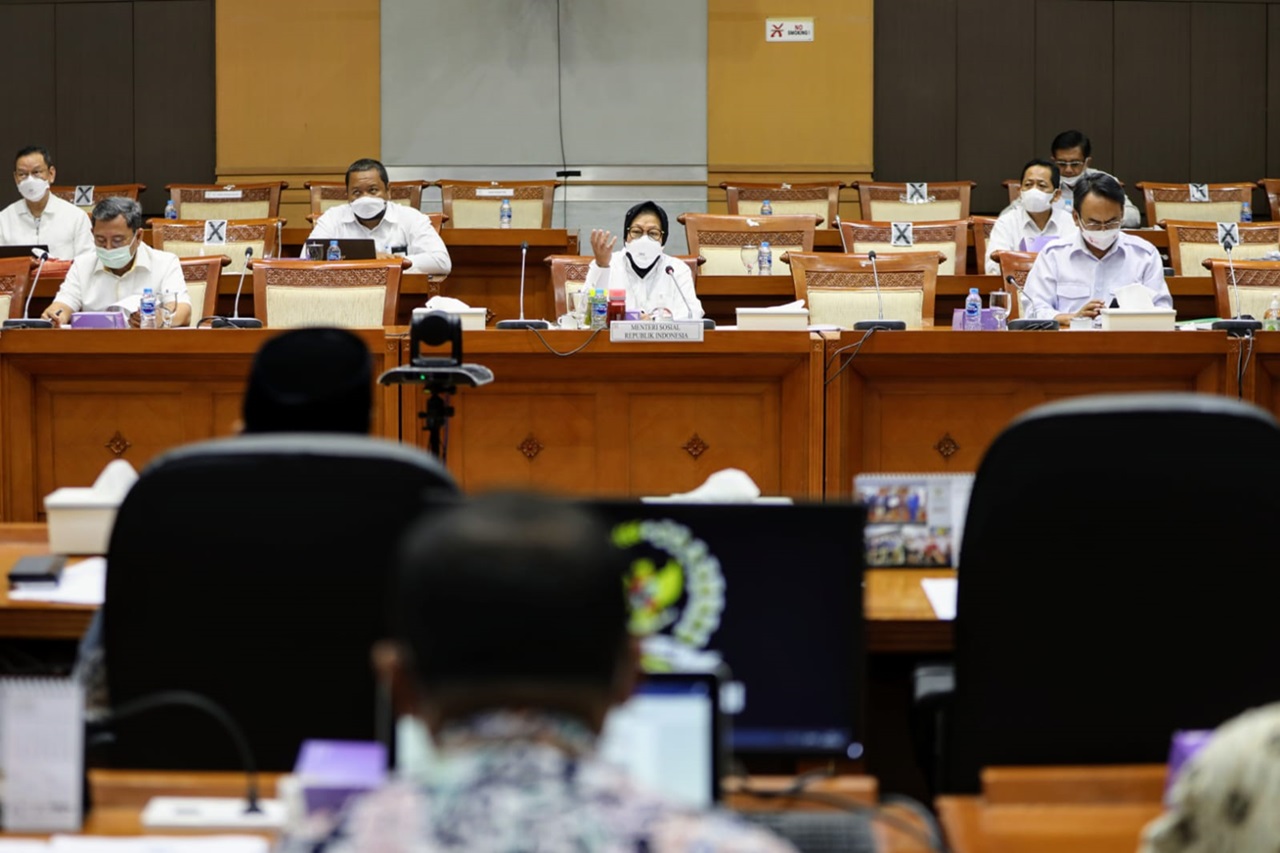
(99, 320)
(1035, 244)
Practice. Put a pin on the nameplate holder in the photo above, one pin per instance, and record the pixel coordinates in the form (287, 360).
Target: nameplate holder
(215, 232)
(495, 192)
(1197, 192)
(1228, 235)
(917, 193)
(212, 195)
(644, 331)
(902, 234)
(83, 196)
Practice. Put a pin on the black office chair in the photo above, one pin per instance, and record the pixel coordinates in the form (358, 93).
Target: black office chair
(253, 571)
(1117, 582)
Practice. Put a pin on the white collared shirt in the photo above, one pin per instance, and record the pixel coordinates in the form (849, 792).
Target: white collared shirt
(1015, 225)
(1132, 218)
(656, 289)
(1066, 275)
(63, 227)
(402, 231)
(89, 286)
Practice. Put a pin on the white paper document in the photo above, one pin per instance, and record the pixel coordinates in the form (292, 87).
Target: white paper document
(941, 593)
(83, 583)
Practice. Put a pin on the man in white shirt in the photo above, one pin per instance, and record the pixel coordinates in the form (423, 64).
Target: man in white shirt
(658, 286)
(1032, 216)
(40, 217)
(397, 230)
(119, 269)
(1078, 277)
(1072, 153)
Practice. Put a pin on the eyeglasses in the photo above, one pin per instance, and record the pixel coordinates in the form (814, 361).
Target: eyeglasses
(1069, 164)
(637, 232)
(1091, 225)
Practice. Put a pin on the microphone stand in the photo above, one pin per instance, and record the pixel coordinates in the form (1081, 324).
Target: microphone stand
(26, 321)
(522, 323)
(881, 322)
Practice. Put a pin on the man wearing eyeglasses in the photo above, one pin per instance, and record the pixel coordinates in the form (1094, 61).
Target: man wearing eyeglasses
(1078, 277)
(658, 286)
(1072, 152)
(40, 218)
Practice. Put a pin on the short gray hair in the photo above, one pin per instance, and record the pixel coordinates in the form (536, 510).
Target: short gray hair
(110, 208)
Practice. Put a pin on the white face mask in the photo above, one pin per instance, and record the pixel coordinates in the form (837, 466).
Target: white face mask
(117, 258)
(33, 188)
(1035, 201)
(1101, 240)
(368, 206)
(644, 251)
(1071, 182)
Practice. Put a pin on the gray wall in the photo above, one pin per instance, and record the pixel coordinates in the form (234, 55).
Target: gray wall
(1174, 90)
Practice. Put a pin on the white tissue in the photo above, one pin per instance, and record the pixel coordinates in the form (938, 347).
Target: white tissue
(127, 304)
(728, 486)
(790, 306)
(1134, 297)
(109, 489)
(447, 304)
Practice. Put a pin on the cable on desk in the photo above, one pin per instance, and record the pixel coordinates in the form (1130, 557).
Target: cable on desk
(573, 351)
(1243, 356)
(855, 347)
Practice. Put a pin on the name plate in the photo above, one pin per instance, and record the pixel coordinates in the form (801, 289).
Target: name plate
(495, 192)
(223, 194)
(643, 331)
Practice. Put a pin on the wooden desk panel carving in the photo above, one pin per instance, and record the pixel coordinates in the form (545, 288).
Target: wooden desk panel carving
(637, 419)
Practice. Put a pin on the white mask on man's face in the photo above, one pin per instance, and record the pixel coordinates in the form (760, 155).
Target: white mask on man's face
(33, 188)
(1071, 182)
(368, 206)
(1101, 240)
(1036, 200)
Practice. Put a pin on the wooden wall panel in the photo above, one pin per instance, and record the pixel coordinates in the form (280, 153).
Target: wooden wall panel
(173, 118)
(796, 108)
(1074, 41)
(1273, 94)
(95, 94)
(298, 86)
(915, 71)
(995, 91)
(1227, 40)
(27, 63)
(1152, 134)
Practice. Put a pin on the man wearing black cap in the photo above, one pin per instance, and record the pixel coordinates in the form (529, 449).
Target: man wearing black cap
(658, 286)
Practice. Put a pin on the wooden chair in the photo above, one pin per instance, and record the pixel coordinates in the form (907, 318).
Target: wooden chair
(719, 239)
(15, 278)
(822, 200)
(886, 202)
(1172, 202)
(202, 276)
(347, 294)
(475, 204)
(569, 274)
(1018, 265)
(982, 226)
(227, 201)
(950, 239)
(1272, 186)
(185, 238)
(1191, 243)
(1257, 282)
(97, 194)
(327, 194)
(1014, 188)
(841, 290)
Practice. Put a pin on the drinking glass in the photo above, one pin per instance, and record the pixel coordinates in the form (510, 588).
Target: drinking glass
(168, 304)
(750, 254)
(998, 302)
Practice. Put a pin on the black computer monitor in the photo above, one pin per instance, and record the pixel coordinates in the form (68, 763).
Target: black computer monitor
(773, 593)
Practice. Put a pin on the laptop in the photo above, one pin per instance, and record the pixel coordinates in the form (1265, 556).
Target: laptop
(362, 249)
(22, 250)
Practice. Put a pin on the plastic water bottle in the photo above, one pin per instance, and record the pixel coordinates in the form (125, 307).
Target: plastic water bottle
(1246, 212)
(147, 309)
(973, 311)
(170, 210)
(766, 208)
(504, 214)
(1271, 319)
(1068, 202)
(764, 260)
(598, 308)
(334, 253)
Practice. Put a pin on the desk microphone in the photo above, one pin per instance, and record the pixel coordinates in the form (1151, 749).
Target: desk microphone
(707, 322)
(1241, 325)
(881, 323)
(522, 323)
(26, 322)
(1024, 324)
(235, 321)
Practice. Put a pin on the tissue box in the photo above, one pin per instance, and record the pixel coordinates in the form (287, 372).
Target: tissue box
(1138, 320)
(80, 520)
(472, 318)
(773, 319)
(330, 772)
